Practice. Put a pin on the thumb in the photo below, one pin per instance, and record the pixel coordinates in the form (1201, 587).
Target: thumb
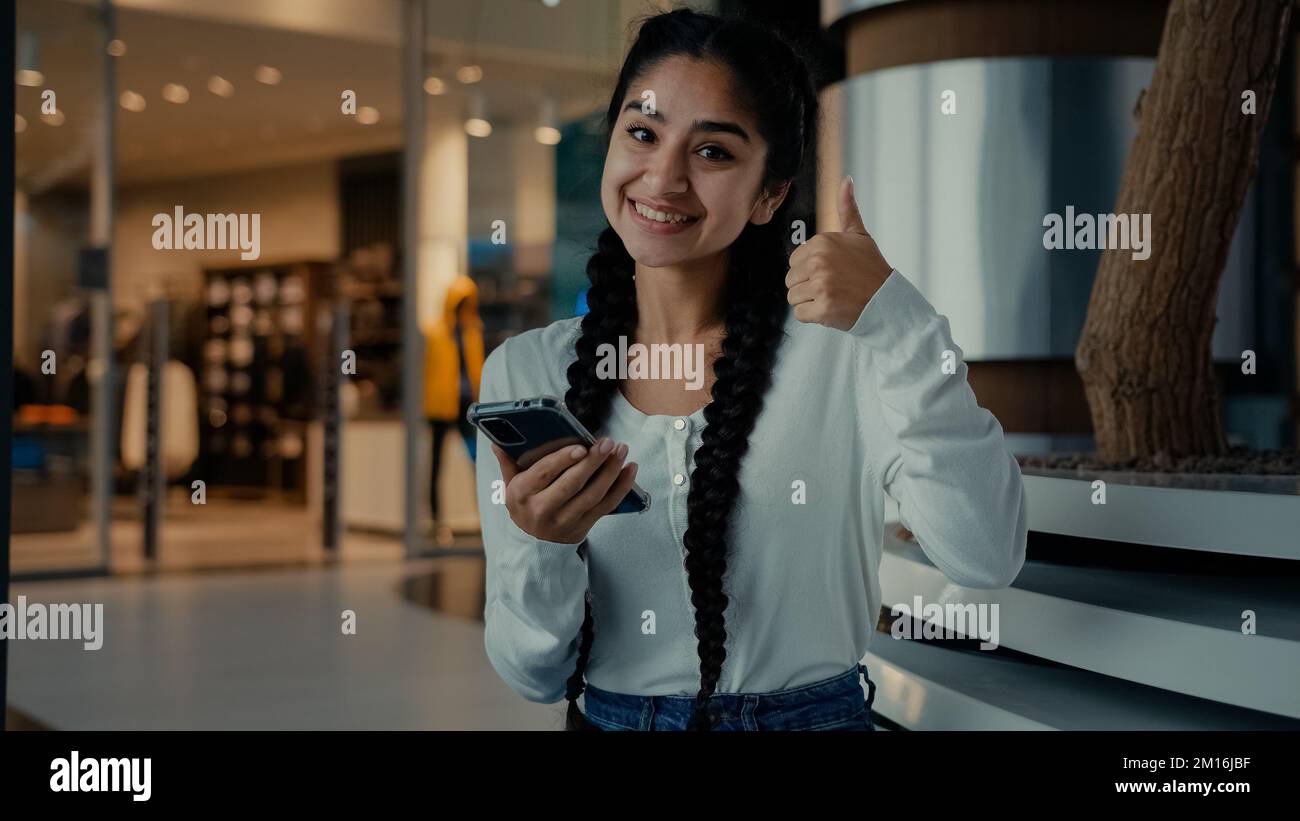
(508, 466)
(850, 219)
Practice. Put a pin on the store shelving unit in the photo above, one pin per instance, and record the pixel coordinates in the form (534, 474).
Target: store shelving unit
(508, 301)
(370, 286)
(259, 355)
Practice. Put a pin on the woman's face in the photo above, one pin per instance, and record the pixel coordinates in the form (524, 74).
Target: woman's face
(685, 166)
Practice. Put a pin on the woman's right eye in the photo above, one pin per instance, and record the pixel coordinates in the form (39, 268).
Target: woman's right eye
(635, 130)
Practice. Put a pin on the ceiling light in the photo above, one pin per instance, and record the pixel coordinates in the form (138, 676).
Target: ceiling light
(268, 75)
(55, 119)
(367, 115)
(20, 123)
(116, 48)
(547, 132)
(434, 86)
(469, 74)
(220, 86)
(175, 93)
(476, 124)
(28, 72)
(550, 4)
(132, 101)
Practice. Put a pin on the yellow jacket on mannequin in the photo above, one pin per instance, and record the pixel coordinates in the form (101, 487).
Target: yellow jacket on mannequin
(441, 353)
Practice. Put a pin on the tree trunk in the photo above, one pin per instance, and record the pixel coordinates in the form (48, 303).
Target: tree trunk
(1144, 354)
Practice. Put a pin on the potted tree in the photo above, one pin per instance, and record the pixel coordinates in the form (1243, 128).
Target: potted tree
(1144, 355)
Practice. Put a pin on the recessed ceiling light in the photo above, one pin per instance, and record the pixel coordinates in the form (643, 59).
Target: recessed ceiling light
(550, 4)
(268, 75)
(132, 101)
(116, 48)
(476, 120)
(20, 123)
(547, 131)
(469, 74)
(220, 86)
(28, 62)
(175, 93)
(434, 86)
(367, 115)
(55, 119)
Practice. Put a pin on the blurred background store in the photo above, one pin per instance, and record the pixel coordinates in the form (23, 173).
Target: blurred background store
(390, 246)
(293, 112)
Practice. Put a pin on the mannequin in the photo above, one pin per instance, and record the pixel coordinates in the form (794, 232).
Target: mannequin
(453, 366)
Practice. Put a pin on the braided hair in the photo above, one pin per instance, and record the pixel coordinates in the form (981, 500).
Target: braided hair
(776, 85)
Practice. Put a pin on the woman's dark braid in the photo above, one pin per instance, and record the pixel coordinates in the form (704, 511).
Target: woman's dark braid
(742, 374)
(611, 303)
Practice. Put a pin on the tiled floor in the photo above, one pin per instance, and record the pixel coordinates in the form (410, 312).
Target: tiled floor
(265, 650)
(222, 533)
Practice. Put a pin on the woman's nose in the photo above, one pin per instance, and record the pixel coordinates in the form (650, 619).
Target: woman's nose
(666, 174)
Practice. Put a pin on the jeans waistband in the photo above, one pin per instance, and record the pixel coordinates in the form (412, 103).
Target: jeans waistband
(633, 711)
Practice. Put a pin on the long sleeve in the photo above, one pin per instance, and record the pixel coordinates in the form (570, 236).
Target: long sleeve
(939, 454)
(535, 588)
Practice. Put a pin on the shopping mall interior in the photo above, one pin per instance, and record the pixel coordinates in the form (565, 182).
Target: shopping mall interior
(253, 123)
(188, 451)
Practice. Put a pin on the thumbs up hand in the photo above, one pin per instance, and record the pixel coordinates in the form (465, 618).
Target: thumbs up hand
(834, 275)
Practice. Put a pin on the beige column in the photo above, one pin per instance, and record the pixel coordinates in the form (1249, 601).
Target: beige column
(534, 205)
(444, 191)
(444, 253)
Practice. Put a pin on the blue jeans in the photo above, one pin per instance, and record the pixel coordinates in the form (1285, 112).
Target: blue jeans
(831, 704)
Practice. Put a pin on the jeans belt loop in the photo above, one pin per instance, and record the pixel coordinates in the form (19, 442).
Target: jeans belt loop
(871, 685)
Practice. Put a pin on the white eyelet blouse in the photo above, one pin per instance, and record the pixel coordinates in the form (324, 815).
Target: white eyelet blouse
(850, 416)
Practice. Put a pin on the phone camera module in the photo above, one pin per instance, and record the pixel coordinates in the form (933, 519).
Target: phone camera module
(502, 432)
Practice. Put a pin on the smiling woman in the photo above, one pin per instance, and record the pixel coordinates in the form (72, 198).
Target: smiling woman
(761, 604)
(688, 167)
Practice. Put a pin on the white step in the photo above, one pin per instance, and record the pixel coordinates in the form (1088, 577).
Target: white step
(1196, 518)
(925, 686)
(1175, 631)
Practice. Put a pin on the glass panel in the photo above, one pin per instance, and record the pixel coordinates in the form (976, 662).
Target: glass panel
(275, 140)
(59, 62)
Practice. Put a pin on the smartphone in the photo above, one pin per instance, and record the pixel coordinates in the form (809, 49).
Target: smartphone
(529, 429)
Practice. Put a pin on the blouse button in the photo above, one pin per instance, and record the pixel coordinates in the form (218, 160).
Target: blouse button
(678, 478)
(680, 424)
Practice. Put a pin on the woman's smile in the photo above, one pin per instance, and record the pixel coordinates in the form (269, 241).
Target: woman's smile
(659, 221)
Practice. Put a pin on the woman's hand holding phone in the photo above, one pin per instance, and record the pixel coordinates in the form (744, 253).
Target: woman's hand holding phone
(564, 494)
